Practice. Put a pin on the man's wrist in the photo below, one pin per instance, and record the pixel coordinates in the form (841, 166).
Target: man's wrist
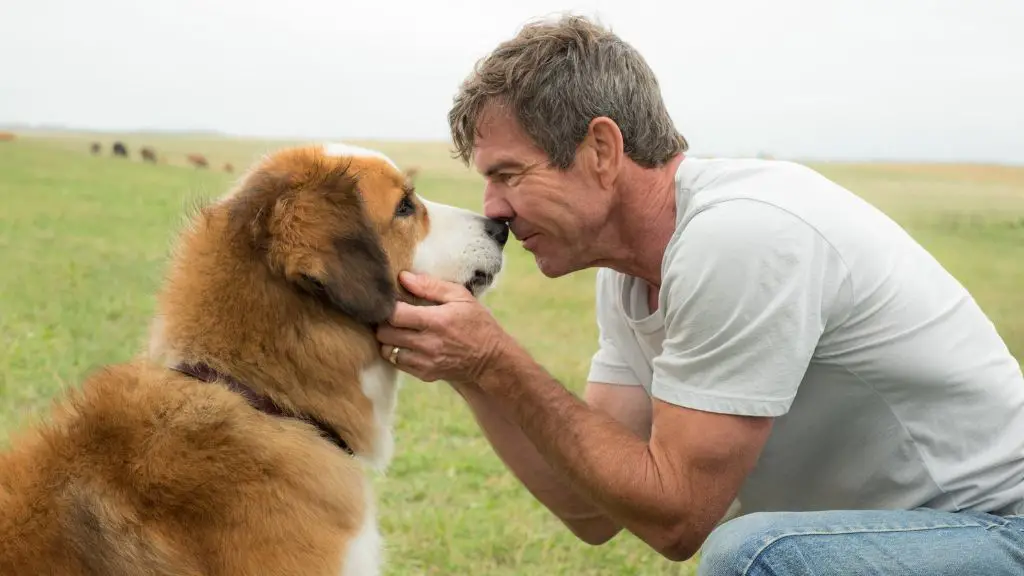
(502, 366)
(464, 388)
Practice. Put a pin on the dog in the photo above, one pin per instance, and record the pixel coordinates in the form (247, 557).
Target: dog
(239, 440)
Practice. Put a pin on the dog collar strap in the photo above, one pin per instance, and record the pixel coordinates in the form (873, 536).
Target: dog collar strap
(205, 373)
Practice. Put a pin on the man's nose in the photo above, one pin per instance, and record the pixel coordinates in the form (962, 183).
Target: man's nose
(495, 204)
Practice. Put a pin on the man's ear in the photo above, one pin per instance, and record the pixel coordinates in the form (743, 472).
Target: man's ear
(605, 143)
(354, 278)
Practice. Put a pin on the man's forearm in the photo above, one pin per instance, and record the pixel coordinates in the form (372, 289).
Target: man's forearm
(599, 457)
(518, 453)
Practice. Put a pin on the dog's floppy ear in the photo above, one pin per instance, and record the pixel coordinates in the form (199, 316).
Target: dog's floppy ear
(307, 218)
(354, 277)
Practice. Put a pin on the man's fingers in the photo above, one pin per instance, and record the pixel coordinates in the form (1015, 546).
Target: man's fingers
(411, 317)
(409, 361)
(403, 337)
(430, 288)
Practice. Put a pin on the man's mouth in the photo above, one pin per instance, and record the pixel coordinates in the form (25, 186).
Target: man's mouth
(526, 241)
(517, 231)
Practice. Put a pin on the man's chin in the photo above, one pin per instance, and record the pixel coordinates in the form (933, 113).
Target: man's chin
(550, 267)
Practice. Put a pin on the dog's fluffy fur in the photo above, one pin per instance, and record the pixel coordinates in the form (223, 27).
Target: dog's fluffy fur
(278, 284)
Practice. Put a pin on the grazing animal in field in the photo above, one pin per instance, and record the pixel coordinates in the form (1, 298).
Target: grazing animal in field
(95, 148)
(228, 167)
(6, 136)
(148, 154)
(240, 441)
(197, 160)
(120, 150)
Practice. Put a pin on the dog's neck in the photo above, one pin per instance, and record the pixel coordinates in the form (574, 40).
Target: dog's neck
(205, 373)
(305, 360)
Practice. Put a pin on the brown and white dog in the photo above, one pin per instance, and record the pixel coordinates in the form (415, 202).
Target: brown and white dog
(237, 444)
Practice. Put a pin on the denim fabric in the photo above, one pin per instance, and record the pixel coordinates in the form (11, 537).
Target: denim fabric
(854, 543)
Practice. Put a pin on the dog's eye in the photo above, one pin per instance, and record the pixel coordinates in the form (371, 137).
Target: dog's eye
(405, 208)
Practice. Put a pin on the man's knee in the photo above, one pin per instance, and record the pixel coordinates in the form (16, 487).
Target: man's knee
(733, 547)
(841, 541)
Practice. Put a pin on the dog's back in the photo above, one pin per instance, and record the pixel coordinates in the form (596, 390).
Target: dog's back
(145, 471)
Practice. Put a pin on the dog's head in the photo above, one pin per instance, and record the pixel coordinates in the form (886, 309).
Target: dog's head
(339, 223)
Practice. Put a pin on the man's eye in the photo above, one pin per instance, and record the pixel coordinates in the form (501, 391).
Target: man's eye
(405, 208)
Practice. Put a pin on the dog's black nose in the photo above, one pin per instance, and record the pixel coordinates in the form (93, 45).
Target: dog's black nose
(497, 229)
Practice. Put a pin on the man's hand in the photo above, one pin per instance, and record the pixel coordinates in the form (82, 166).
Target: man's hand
(453, 341)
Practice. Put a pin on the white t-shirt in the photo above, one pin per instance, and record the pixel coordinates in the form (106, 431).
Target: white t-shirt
(785, 295)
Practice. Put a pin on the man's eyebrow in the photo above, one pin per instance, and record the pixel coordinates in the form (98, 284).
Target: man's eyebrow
(494, 169)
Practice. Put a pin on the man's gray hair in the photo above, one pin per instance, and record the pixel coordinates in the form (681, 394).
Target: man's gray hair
(555, 77)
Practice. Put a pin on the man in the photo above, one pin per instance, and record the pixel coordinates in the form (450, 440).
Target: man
(764, 335)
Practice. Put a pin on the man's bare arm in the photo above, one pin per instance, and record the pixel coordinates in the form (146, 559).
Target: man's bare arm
(629, 405)
(670, 491)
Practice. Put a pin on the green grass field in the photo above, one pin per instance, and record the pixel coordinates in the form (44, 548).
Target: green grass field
(83, 241)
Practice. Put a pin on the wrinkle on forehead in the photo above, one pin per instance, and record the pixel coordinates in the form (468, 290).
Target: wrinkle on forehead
(501, 141)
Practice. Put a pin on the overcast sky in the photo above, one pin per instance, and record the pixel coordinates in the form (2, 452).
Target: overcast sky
(855, 79)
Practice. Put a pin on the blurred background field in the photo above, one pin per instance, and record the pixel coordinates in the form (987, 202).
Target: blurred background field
(83, 241)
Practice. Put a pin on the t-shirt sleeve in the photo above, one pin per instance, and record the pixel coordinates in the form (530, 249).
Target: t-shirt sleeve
(608, 365)
(746, 292)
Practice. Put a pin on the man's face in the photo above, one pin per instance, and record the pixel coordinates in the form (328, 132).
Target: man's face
(555, 214)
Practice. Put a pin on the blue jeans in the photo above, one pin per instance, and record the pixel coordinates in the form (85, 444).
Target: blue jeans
(853, 543)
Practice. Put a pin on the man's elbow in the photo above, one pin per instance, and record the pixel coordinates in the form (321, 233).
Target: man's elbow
(594, 533)
(676, 544)
(677, 551)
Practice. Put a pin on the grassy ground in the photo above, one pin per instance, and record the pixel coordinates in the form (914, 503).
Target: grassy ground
(82, 242)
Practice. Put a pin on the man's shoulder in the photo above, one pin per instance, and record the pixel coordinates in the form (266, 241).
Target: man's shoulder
(716, 173)
(700, 182)
(741, 230)
(751, 196)
(725, 243)
(746, 199)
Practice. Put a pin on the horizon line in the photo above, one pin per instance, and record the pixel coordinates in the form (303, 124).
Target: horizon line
(222, 134)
